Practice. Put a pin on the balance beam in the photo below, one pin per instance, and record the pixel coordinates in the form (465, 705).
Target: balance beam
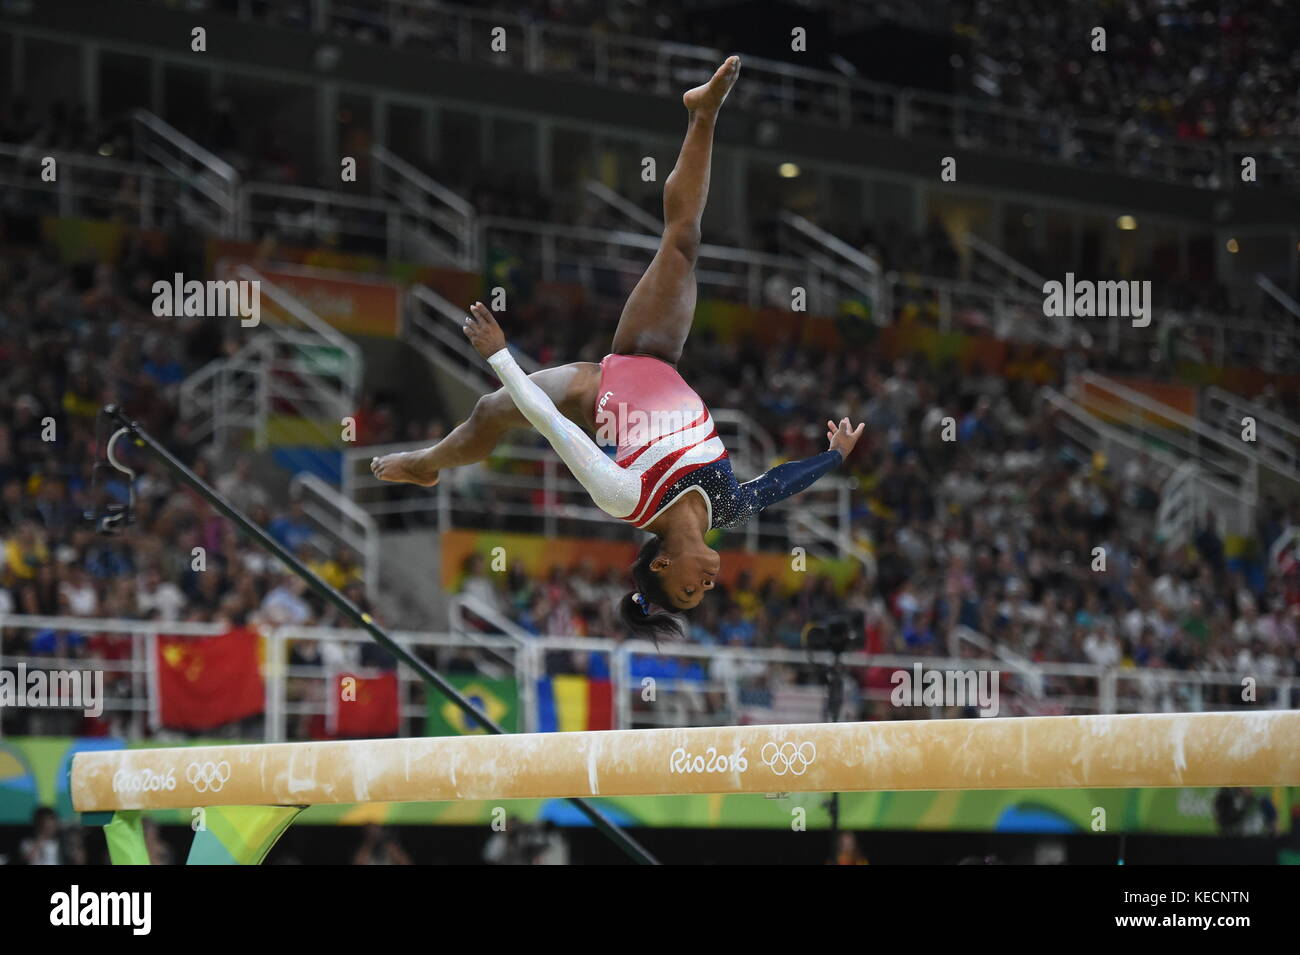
(1053, 752)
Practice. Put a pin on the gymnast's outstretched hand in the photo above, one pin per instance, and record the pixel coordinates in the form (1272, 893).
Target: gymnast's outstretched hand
(483, 332)
(843, 436)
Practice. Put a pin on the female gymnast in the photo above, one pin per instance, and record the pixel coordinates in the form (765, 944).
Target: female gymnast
(666, 444)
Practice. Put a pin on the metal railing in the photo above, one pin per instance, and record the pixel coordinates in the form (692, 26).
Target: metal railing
(207, 187)
(1006, 297)
(960, 305)
(341, 521)
(432, 326)
(1287, 543)
(854, 274)
(1277, 438)
(1280, 298)
(295, 366)
(526, 487)
(443, 220)
(89, 186)
(625, 208)
(998, 268)
(1182, 507)
(1126, 425)
(130, 678)
(1231, 471)
(1087, 434)
(321, 217)
(609, 262)
(1277, 161)
(695, 684)
(463, 33)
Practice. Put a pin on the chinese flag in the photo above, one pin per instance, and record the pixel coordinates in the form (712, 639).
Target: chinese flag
(363, 707)
(206, 682)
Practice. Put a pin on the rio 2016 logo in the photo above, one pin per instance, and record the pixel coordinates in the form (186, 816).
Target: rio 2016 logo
(710, 761)
(143, 781)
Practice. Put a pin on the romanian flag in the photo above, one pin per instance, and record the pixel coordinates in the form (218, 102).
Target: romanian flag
(569, 703)
(206, 682)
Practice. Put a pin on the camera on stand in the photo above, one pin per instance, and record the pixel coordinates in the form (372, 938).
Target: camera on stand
(835, 632)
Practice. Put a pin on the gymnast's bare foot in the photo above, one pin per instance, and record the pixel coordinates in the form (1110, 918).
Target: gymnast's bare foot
(406, 467)
(707, 99)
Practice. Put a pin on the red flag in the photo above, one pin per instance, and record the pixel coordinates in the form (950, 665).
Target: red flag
(206, 682)
(600, 705)
(363, 707)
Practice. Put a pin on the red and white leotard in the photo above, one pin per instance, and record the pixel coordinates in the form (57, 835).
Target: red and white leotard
(665, 441)
(659, 425)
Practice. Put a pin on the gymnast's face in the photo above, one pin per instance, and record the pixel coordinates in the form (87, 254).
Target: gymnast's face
(687, 574)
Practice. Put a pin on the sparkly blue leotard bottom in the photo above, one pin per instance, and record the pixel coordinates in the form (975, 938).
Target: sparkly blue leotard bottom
(734, 503)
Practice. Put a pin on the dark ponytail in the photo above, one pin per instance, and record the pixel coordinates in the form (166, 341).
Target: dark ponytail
(635, 609)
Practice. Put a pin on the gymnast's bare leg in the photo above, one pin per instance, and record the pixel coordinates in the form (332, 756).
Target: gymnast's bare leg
(656, 319)
(658, 315)
(572, 387)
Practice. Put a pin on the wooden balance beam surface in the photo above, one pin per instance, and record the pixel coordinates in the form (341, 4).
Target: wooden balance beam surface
(1144, 750)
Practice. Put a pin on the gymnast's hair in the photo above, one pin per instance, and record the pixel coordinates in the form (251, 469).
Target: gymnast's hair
(635, 608)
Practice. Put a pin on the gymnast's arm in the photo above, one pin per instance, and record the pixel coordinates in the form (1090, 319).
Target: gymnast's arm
(790, 478)
(615, 490)
(782, 481)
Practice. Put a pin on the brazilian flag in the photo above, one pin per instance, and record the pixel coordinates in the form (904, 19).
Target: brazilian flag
(498, 700)
(855, 322)
(504, 269)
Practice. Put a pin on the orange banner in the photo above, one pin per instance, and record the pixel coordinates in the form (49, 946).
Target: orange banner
(1102, 402)
(539, 555)
(354, 304)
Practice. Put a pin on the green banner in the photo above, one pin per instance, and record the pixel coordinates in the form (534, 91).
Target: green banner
(325, 360)
(498, 700)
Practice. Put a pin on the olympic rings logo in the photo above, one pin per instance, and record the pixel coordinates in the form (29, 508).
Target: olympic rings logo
(208, 777)
(790, 758)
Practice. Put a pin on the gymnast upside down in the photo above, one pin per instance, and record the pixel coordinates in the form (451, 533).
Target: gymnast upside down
(649, 480)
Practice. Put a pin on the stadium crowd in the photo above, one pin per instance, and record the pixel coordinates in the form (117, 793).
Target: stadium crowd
(73, 339)
(1187, 69)
(994, 531)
